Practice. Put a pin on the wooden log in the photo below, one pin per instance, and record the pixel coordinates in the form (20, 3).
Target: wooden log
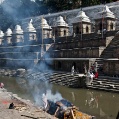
(30, 117)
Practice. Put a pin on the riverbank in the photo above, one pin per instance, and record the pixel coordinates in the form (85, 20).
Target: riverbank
(24, 108)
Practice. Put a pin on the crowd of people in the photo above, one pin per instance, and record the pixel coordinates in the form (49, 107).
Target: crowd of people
(91, 73)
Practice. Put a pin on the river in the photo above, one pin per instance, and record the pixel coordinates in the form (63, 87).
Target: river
(103, 105)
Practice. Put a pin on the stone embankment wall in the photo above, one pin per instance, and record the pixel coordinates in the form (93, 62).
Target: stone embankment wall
(13, 72)
(111, 67)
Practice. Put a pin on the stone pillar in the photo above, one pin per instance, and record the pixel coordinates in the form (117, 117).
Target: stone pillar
(1, 37)
(8, 37)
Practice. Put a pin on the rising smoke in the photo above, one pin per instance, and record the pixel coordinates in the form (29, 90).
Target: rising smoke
(36, 84)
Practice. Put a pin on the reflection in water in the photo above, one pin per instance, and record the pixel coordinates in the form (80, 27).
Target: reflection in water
(73, 96)
(103, 105)
(91, 100)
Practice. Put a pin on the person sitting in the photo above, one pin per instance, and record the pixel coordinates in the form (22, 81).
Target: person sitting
(11, 106)
(96, 75)
(1, 85)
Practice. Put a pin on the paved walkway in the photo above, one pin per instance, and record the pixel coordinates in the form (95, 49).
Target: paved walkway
(24, 108)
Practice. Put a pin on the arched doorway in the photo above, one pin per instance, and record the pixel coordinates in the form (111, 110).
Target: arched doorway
(64, 32)
(100, 26)
(77, 30)
(111, 26)
(87, 29)
(59, 65)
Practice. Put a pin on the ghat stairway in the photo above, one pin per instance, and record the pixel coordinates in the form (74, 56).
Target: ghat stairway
(110, 84)
(108, 52)
(60, 78)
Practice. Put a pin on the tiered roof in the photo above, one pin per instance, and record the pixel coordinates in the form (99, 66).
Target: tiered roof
(30, 27)
(1, 33)
(106, 13)
(8, 32)
(60, 22)
(81, 17)
(18, 30)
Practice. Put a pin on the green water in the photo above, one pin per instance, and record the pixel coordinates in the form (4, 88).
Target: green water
(104, 105)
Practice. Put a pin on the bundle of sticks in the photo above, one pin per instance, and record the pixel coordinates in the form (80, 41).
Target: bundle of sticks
(21, 108)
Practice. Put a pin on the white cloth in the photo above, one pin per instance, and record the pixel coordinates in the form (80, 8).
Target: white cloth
(89, 78)
(45, 102)
(92, 75)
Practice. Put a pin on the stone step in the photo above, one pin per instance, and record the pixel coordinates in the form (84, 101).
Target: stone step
(108, 79)
(102, 88)
(106, 85)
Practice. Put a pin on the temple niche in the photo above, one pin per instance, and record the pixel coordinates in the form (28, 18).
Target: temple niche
(60, 28)
(105, 20)
(81, 24)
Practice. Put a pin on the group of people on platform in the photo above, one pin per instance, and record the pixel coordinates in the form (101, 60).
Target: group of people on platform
(94, 70)
(91, 74)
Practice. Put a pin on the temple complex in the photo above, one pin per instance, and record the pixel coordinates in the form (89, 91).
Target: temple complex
(63, 42)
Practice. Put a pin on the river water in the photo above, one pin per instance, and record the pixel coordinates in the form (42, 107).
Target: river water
(104, 105)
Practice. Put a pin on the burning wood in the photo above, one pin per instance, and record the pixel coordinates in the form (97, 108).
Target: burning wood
(63, 109)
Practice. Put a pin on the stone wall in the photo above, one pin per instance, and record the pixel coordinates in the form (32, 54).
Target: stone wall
(111, 67)
(70, 44)
(94, 52)
(66, 64)
(116, 52)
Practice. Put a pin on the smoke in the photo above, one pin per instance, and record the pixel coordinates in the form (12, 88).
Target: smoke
(24, 55)
(37, 84)
(29, 51)
(53, 97)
